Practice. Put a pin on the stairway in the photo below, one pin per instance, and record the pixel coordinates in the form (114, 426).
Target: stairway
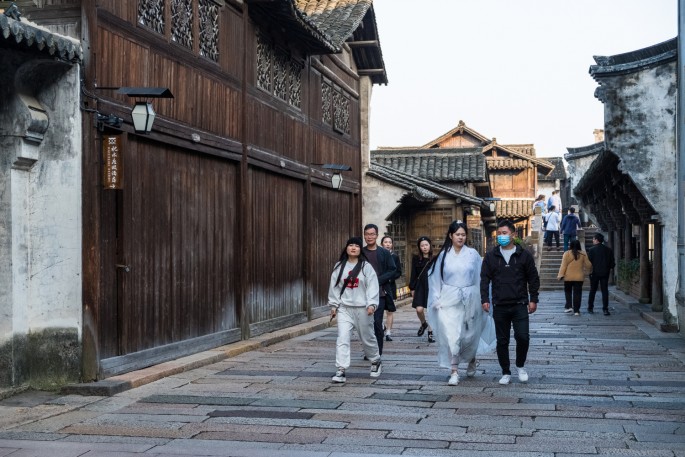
(549, 268)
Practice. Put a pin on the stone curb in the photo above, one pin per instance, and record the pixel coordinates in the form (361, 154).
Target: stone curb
(644, 310)
(120, 383)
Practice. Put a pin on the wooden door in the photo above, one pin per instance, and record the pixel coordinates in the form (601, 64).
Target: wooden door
(176, 219)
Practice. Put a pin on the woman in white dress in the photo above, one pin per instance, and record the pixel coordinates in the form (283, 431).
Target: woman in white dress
(454, 308)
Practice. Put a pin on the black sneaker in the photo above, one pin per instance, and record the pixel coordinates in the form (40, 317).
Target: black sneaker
(607, 313)
(430, 337)
(422, 329)
(591, 311)
(388, 337)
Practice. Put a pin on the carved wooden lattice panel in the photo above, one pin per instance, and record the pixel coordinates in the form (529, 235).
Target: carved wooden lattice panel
(151, 14)
(295, 76)
(209, 30)
(182, 22)
(281, 75)
(327, 102)
(264, 52)
(341, 113)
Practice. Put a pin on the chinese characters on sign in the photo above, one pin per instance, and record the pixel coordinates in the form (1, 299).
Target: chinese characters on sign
(112, 163)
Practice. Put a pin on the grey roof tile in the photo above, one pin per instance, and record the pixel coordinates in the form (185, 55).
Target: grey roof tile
(439, 165)
(23, 34)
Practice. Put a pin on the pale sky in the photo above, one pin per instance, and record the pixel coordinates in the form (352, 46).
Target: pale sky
(516, 70)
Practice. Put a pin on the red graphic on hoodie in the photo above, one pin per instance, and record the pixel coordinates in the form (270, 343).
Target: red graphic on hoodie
(351, 283)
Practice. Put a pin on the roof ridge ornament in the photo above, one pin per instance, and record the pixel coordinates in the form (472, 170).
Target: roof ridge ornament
(13, 12)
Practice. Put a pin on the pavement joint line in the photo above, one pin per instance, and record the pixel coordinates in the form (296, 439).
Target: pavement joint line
(113, 385)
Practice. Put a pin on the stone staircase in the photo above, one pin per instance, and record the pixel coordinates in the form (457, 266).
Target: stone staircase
(551, 261)
(549, 268)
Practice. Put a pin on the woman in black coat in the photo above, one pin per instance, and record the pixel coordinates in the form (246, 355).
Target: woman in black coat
(418, 284)
(390, 308)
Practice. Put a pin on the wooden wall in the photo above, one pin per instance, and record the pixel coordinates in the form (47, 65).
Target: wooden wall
(227, 227)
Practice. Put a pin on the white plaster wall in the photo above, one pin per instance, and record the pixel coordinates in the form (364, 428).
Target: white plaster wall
(378, 201)
(640, 127)
(41, 232)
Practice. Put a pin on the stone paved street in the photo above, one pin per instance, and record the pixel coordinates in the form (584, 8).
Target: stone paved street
(598, 386)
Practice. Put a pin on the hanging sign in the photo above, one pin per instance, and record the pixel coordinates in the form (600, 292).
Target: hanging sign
(473, 221)
(112, 162)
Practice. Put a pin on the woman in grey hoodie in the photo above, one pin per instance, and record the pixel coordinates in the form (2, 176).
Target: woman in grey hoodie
(353, 298)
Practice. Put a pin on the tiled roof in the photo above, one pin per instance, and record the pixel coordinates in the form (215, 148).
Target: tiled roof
(422, 189)
(527, 149)
(21, 34)
(583, 151)
(635, 60)
(323, 24)
(559, 171)
(513, 209)
(439, 165)
(499, 163)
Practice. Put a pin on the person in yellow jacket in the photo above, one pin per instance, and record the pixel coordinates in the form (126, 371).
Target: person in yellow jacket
(575, 265)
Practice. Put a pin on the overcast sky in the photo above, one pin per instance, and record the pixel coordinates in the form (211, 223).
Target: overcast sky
(516, 70)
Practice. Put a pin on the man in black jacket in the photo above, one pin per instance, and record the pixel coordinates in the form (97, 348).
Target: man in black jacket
(515, 283)
(602, 259)
(384, 265)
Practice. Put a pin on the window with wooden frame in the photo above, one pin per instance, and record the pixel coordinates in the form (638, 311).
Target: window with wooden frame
(278, 73)
(335, 107)
(191, 24)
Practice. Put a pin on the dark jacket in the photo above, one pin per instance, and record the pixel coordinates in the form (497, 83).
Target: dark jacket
(398, 273)
(570, 224)
(420, 267)
(602, 259)
(517, 282)
(386, 269)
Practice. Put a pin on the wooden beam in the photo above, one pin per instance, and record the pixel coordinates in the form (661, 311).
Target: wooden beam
(360, 44)
(371, 71)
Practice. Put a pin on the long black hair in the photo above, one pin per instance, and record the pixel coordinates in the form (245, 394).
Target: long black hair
(575, 248)
(447, 245)
(343, 260)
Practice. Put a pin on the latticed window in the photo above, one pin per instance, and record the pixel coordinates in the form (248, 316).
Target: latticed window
(335, 107)
(193, 24)
(278, 73)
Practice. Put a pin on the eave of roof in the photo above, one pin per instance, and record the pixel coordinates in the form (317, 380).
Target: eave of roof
(640, 59)
(460, 128)
(541, 163)
(514, 208)
(366, 49)
(605, 160)
(21, 34)
(584, 151)
(416, 184)
(559, 171)
(441, 165)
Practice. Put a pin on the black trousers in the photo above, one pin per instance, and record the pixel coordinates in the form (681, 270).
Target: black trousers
(552, 234)
(378, 324)
(595, 282)
(573, 291)
(505, 317)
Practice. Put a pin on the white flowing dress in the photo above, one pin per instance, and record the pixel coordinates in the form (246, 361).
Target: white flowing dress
(454, 308)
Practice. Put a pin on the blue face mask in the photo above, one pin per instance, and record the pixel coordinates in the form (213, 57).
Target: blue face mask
(503, 240)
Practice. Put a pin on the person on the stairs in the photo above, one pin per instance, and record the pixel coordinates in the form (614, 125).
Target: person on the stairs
(552, 221)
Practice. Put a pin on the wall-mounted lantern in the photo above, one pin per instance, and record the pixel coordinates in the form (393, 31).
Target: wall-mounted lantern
(142, 114)
(336, 178)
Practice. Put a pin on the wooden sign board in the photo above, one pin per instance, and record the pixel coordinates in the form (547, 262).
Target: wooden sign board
(112, 162)
(473, 222)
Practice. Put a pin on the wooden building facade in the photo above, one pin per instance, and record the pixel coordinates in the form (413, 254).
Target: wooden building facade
(513, 171)
(225, 226)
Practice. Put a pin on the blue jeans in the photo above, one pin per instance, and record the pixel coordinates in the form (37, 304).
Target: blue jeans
(567, 240)
(505, 317)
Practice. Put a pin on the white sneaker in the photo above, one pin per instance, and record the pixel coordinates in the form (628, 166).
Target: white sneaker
(568, 310)
(339, 376)
(454, 379)
(376, 369)
(471, 369)
(523, 374)
(505, 379)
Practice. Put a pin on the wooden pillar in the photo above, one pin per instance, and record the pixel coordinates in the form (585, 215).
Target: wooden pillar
(657, 271)
(645, 278)
(613, 238)
(628, 241)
